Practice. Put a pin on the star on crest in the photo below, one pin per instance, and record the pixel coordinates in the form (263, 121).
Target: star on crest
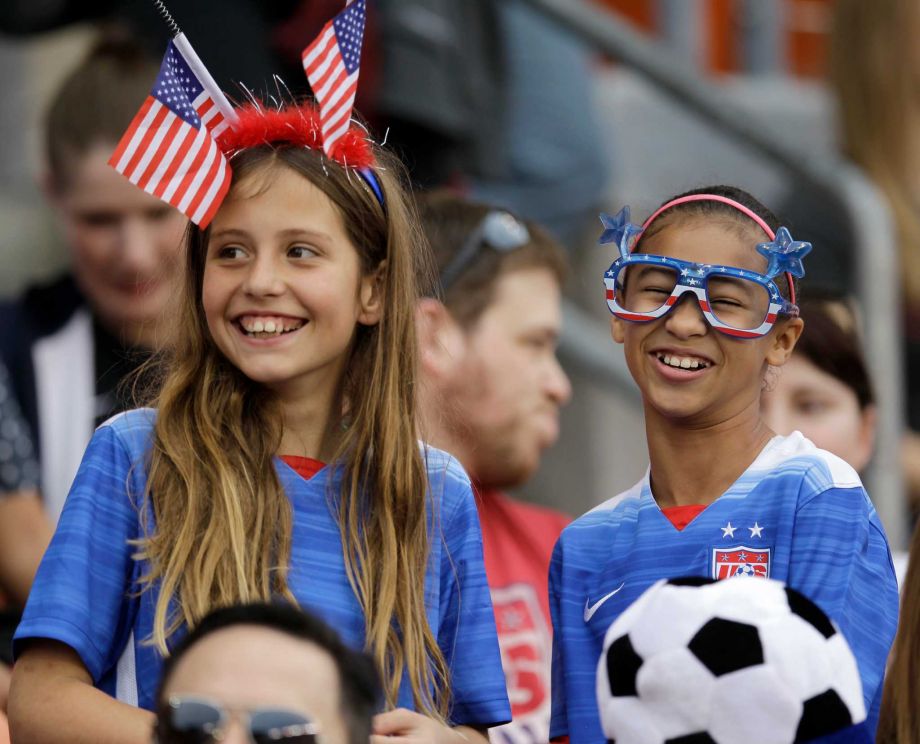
(728, 530)
(785, 254)
(618, 230)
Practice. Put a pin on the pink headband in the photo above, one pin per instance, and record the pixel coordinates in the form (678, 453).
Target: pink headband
(716, 198)
(730, 202)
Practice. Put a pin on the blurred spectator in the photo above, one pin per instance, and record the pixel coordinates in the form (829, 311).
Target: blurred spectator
(70, 344)
(553, 166)
(824, 390)
(272, 669)
(24, 529)
(874, 72)
(900, 716)
(491, 389)
(494, 98)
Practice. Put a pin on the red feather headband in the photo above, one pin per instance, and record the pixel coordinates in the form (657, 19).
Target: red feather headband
(296, 125)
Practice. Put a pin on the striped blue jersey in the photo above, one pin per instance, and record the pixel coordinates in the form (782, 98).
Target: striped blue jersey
(85, 592)
(797, 514)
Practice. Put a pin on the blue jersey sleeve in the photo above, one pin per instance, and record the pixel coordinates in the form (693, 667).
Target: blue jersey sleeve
(467, 635)
(840, 559)
(80, 596)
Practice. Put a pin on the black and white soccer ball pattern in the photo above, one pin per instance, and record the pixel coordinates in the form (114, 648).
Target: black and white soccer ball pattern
(695, 661)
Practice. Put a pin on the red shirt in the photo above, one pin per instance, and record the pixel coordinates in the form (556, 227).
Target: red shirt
(518, 540)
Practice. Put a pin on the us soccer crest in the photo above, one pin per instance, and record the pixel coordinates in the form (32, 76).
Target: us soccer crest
(740, 561)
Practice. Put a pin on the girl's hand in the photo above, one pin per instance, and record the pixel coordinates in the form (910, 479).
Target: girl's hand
(402, 726)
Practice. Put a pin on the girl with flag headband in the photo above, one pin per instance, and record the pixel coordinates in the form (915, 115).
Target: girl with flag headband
(702, 298)
(282, 458)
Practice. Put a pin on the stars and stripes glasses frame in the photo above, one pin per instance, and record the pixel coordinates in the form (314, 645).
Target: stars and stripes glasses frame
(734, 301)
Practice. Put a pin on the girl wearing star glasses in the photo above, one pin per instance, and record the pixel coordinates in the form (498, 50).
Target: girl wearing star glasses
(702, 297)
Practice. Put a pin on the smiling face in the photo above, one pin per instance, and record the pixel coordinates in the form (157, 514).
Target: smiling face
(125, 246)
(685, 369)
(283, 291)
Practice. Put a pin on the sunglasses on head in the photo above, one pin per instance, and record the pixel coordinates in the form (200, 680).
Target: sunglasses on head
(499, 230)
(186, 719)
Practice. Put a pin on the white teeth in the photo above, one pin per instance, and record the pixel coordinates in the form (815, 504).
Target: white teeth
(269, 326)
(682, 362)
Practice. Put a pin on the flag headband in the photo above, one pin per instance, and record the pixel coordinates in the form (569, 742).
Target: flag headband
(177, 146)
(299, 125)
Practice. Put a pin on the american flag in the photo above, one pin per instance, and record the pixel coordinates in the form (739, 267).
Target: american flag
(331, 63)
(169, 149)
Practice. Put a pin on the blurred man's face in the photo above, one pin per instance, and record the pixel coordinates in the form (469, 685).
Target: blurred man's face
(508, 387)
(247, 667)
(125, 245)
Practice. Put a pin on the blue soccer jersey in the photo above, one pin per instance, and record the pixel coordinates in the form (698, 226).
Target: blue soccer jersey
(85, 591)
(797, 514)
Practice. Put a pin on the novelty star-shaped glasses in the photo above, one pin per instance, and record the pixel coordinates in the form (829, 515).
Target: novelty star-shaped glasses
(734, 301)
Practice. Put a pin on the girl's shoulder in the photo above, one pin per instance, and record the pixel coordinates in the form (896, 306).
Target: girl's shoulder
(443, 467)
(611, 513)
(795, 457)
(133, 428)
(449, 486)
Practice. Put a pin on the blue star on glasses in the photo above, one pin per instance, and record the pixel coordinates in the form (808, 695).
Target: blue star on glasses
(618, 230)
(785, 254)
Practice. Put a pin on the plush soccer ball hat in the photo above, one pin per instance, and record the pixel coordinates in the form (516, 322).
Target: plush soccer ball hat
(697, 661)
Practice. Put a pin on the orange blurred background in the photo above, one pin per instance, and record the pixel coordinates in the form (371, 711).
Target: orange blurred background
(807, 28)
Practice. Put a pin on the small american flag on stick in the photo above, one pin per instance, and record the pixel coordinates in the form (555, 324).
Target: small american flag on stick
(332, 63)
(169, 150)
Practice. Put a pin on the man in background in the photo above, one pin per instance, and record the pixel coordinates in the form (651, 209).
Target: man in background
(491, 388)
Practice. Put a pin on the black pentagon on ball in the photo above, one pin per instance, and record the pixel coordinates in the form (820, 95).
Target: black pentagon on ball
(700, 738)
(822, 715)
(809, 612)
(725, 646)
(622, 667)
(691, 581)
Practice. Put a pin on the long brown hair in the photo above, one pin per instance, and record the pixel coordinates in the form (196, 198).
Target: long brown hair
(223, 522)
(899, 722)
(875, 72)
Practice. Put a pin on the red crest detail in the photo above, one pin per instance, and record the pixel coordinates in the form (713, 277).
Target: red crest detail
(740, 561)
(526, 648)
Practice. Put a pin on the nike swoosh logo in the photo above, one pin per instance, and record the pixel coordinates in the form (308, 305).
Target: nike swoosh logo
(589, 611)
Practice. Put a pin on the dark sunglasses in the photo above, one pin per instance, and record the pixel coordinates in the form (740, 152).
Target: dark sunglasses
(192, 720)
(499, 230)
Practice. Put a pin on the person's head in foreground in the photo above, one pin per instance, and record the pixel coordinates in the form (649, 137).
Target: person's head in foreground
(125, 245)
(260, 673)
(492, 384)
(824, 390)
(703, 303)
(723, 662)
